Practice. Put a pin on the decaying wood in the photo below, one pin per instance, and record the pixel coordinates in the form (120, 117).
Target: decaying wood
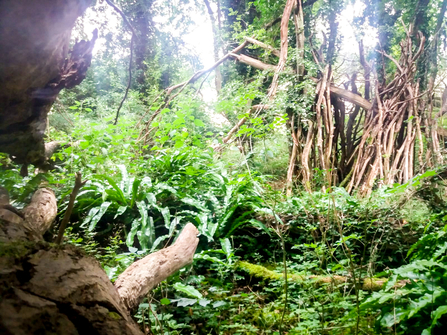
(253, 62)
(59, 289)
(392, 126)
(366, 284)
(7, 211)
(47, 290)
(52, 290)
(36, 66)
(139, 278)
(292, 159)
(41, 211)
(299, 34)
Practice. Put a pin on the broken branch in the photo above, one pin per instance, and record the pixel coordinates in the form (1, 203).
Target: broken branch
(142, 276)
(78, 185)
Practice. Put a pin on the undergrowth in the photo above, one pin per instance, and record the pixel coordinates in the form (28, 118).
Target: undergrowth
(371, 265)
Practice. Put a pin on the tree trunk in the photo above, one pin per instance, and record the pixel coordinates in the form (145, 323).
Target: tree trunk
(53, 289)
(34, 39)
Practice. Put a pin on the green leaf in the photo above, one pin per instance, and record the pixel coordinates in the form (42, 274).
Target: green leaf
(125, 183)
(195, 203)
(135, 187)
(219, 304)
(166, 216)
(199, 123)
(102, 209)
(424, 301)
(158, 241)
(226, 247)
(111, 272)
(90, 215)
(146, 234)
(188, 289)
(260, 225)
(204, 302)
(165, 301)
(120, 211)
(440, 311)
(184, 302)
(209, 258)
(84, 144)
(115, 187)
(133, 232)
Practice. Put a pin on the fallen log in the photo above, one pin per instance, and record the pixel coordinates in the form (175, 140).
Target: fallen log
(366, 284)
(58, 289)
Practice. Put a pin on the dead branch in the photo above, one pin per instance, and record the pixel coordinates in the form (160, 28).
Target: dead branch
(51, 148)
(120, 12)
(128, 82)
(348, 96)
(253, 62)
(8, 212)
(142, 276)
(263, 45)
(77, 186)
(194, 77)
(242, 121)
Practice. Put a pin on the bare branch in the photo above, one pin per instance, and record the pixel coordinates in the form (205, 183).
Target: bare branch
(128, 83)
(263, 45)
(142, 276)
(78, 185)
(120, 12)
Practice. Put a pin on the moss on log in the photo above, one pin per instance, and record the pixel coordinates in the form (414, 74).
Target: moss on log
(259, 271)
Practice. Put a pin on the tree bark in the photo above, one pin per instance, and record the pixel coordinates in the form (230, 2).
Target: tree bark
(34, 39)
(142, 276)
(47, 289)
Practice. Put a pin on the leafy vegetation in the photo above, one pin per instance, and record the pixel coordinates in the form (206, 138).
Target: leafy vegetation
(306, 226)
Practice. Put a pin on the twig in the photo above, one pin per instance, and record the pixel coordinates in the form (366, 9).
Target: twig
(149, 109)
(203, 81)
(120, 12)
(78, 185)
(128, 83)
(134, 35)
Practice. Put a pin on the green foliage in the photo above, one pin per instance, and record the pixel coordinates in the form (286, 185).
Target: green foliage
(141, 192)
(415, 298)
